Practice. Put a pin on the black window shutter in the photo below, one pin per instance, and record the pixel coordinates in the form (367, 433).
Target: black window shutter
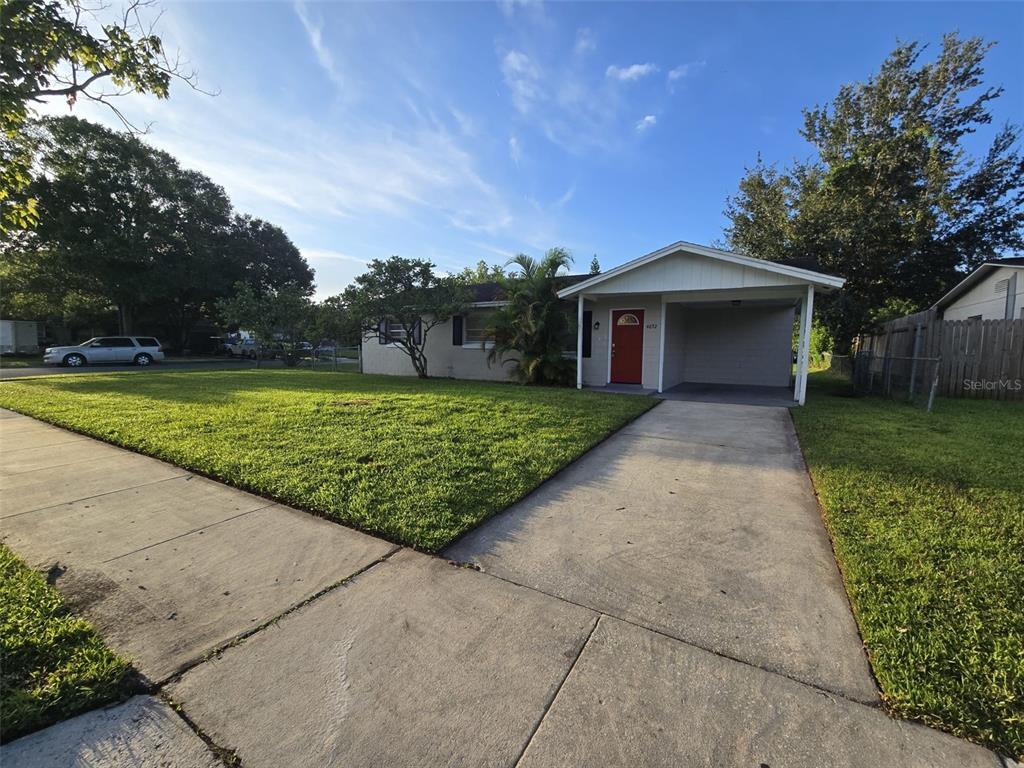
(417, 332)
(588, 331)
(456, 330)
(382, 332)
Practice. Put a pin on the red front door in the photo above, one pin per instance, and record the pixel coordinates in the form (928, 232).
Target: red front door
(627, 346)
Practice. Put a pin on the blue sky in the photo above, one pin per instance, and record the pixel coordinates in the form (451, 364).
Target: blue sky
(466, 131)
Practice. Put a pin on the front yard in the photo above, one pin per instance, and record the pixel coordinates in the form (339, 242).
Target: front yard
(418, 462)
(54, 664)
(926, 513)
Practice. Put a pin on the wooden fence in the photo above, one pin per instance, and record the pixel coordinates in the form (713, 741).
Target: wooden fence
(975, 358)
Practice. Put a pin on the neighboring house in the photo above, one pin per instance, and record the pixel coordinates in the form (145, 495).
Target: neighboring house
(994, 291)
(20, 336)
(683, 314)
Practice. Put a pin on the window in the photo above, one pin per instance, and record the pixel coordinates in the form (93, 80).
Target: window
(474, 328)
(392, 331)
(147, 341)
(114, 341)
(628, 319)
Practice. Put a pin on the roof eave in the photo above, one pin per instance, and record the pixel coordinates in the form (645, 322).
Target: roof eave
(820, 279)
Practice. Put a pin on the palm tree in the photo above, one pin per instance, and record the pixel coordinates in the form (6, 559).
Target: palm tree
(532, 330)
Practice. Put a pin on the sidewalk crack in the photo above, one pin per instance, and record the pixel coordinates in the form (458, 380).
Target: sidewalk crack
(561, 683)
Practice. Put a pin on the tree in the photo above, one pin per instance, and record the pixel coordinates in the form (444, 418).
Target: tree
(892, 201)
(106, 213)
(193, 267)
(401, 300)
(266, 258)
(533, 329)
(595, 266)
(332, 320)
(481, 273)
(63, 49)
(275, 316)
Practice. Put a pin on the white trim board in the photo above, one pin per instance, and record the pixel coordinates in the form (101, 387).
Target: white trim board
(819, 279)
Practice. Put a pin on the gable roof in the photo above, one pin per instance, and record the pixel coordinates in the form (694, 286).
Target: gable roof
(958, 290)
(789, 269)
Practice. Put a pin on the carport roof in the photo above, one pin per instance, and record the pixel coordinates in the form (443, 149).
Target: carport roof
(799, 274)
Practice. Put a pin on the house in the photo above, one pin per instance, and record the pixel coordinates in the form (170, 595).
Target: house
(685, 313)
(993, 291)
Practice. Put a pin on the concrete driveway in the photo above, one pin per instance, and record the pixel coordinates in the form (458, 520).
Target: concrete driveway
(698, 521)
(676, 603)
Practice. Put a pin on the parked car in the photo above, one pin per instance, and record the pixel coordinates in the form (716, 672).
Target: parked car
(249, 349)
(141, 350)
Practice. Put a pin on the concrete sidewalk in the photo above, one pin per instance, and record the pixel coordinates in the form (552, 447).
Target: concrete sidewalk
(289, 640)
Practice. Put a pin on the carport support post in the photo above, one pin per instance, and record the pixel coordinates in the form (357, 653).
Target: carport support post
(579, 342)
(661, 357)
(804, 348)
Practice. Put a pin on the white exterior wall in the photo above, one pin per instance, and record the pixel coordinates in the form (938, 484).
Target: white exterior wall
(983, 300)
(444, 359)
(595, 368)
(675, 342)
(738, 345)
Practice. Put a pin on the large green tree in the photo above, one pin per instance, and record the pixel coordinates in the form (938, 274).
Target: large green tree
(106, 212)
(892, 200)
(123, 222)
(400, 300)
(266, 258)
(70, 50)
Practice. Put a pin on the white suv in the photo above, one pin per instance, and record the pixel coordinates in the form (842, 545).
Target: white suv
(141, 350)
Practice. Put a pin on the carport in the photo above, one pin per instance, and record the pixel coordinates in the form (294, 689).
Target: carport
(692, 316)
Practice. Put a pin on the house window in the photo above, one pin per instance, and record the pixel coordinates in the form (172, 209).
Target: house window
(474, 329)
(628, 319)
(392, 331)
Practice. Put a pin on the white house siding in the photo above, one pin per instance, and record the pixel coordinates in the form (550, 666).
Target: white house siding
(595, 368)
(737, 345)
(444, 359)
(686, 271)
(983, 299)
(675, 342)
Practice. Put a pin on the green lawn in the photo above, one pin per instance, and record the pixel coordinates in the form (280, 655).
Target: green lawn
(926, 513)
(54, 664)
(21, 361)
(419, 462)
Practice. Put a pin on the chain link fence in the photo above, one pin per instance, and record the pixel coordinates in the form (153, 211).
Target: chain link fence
(912, 379)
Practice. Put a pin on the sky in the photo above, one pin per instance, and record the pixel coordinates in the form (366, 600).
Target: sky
(463, 131)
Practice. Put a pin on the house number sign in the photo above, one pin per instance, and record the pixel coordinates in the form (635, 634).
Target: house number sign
(651, 325)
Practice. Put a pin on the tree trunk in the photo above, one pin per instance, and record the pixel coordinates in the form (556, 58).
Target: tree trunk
(124, 319)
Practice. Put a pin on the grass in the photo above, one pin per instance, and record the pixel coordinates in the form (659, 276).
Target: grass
(54, 664)
(926, 513)
(418, 462)
(21, 361)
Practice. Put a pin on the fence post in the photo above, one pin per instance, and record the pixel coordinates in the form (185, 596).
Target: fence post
(913, 362)
(935, 385)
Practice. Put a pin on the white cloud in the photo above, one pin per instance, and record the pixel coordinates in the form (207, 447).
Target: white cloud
(328, 255)
(316, 39)
(632, 72)
(515, 150)
(508, 7)
(522, 76)
(569, 194)
(585, 41)
(646, 122)
(683, 71)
